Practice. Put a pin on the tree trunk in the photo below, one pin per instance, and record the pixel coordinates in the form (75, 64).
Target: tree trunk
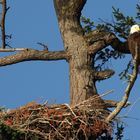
(81, 79)
(82, 84)
(79, 49)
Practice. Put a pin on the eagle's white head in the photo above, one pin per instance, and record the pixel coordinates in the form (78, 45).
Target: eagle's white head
(134, 28)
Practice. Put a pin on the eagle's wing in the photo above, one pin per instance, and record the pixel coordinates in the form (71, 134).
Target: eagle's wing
(133, 41)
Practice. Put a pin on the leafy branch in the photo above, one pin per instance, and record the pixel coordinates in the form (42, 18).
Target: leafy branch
(120, 26)
(88, 25)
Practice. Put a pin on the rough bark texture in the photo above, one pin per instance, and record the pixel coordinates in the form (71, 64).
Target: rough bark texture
(31, 54)
(82, 84)
(82, 48)
(79, 50)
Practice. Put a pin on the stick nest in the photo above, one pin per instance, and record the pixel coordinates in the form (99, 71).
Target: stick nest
(56, 122)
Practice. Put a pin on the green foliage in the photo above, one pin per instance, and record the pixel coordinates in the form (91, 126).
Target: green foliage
(119, 131)
(118, 134)
(8, 133)
(103, 27)
(104, 56)
(121, 28)
(88, 25)
(2, 108)
(124, 73)
(138, 12)
(120, 25)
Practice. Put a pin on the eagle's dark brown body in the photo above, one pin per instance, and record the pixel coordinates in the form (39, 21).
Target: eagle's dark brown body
(133, 41)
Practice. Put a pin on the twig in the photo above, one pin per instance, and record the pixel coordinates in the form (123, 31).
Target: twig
(106, 93)
(4, 11)
(12, 49)
(78, 131)
(70, 110)
(125, 98)
(128, 117)
(75, 115)
(43, 135)
(112, 103)
(93, 98)
(115, 28)
(131, 107)
(43, 45)
(57, 131)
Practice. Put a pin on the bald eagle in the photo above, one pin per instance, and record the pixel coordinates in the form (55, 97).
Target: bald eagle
(134, 40)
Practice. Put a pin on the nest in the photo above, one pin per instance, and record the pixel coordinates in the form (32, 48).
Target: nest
(56, 122)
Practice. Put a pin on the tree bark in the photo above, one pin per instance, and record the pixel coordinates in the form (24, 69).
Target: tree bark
(82, 84)
(82, 48)
(31, 54)
(79, 50)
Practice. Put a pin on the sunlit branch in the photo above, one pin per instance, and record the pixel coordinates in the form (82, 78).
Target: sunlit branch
(12, 49)
(31, 54)
(125, 98)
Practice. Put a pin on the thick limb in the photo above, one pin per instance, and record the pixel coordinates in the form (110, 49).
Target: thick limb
(31, 54)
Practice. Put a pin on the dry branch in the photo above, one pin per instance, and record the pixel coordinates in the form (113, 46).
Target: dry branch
(4, 11)
(12, 49)
(125, 98)
(31, 54)
(56, 122)
(112, 103)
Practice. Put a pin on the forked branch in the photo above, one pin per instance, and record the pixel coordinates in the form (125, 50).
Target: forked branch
(125, 98)
(98, 40)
